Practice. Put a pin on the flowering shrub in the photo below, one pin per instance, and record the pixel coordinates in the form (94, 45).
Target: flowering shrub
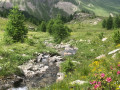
(105, 75)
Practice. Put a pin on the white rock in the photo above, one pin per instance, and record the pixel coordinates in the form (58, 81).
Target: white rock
(114, 56)
(58, 63)
(101, 56)
(79, 82)
(60, 76)
(24, 55)
(1, 57)
(76, 62)
(43, 69)
(114, 51)
(104, 39)
(0, 68)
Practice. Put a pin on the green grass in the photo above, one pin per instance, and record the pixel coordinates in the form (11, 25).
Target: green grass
(88, 50)
(13, 54)
(86, 54)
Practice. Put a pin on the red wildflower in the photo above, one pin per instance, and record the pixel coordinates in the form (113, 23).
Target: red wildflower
(109, 79)
(102, 75)
(118, 73)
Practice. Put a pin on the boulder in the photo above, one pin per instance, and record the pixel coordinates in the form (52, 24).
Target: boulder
(104, 39)
(114, 51)
(101, 56)
(60, 76)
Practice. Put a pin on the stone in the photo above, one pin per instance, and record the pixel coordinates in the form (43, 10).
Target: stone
(78, 82)
(39, 57)
(60, 76)
(58, 63)
(1, 57)
(24, 55)
(43, 69)
(104, 39)
(0, 68)
(114, 51)
(101, 56)
(76, 62)
(114, 56)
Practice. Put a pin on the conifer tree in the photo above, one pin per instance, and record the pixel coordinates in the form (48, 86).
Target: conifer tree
(15, 27)
(109, 23)
(49, 26)
(104, 23)
(42, 27)
(117, 22)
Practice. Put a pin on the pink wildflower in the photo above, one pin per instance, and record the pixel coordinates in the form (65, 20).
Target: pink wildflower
(118, 65)
(96, 86)
(109, 79)
(102, 75)
(111, 67)
(91, 83)
(118, 73)
(99, 83)
(94, 82)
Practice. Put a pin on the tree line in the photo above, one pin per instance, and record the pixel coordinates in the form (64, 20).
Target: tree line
(17, 31)
(56, 28)
(111, 22)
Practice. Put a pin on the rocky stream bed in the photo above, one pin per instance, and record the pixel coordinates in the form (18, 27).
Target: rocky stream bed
(39, 72)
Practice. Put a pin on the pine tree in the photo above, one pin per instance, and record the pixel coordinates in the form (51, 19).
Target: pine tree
(104, 23)
(42, 27)
(15, 27)
(117, 22)
(109, 23)
(60, 32)
(49, 26)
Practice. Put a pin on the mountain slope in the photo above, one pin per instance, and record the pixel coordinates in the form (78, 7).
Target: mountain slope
(101, 7)
(49, 8)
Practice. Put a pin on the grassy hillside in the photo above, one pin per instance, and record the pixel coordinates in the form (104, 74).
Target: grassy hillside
(86, 38)
(101, 7)
(14, 54)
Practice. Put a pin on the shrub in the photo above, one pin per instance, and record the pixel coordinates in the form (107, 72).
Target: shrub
(8, 40)
(42, 27)
(49, 26)
(30, 41)
(15, 27)
(109, 23)
(116, 37)
(104, 23)
(117, 22)
(101, 35)
(68, 66)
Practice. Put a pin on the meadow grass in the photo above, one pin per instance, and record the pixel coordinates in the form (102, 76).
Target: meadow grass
(14, 54)
(85, 37)
(88, 49)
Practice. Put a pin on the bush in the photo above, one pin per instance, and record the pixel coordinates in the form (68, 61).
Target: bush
(104, 23)
(117, 22)
(109, 23)
(15, 27)
(58, 30)
(8, 40)
(30, 42)
(49, 26)
(116, 37)
(101, 35)
(42, 27)
(68, 66)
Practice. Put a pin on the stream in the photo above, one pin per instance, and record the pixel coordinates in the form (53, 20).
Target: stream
(40, 72)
